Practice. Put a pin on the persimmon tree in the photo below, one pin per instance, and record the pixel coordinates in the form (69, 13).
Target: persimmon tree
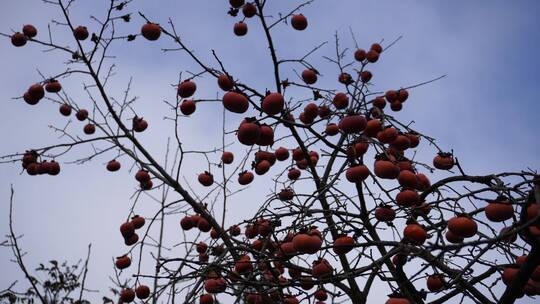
(352, 205)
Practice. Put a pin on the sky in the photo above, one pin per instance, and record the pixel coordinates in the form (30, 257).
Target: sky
(485, 109)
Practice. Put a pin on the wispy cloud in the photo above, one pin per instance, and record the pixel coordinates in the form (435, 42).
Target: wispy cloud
(486, 109)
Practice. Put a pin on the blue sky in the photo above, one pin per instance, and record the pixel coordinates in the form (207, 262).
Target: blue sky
(486, 109)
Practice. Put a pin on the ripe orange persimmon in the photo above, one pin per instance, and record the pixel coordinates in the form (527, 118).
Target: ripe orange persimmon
(262, 167)
(139, 124)
(443, 161)
(360, 55)
(236, 3)
(340, 101)
(307, 243)
(240, 29)
(273, 103)
(206, 299)
(225, 82)
(387, 135)
(53, 86)
(245, 178)
(227, 157)
(81, 114)
(137, 221)
(415, 234)
(122, 262)
(127, 295)
(188, 107)
(266, 137)
(385, 214)
(248, 133)
(372, 56)
(235, 102)
(343, 244)
(462, 226)
(331, 129)
(352, 124)
(249, 10)
(373, 127)
(499, 210)
(321, 268)
(376, 47)
(407, 179)
(151, 31)
(113, 165)
(29, 31)
(187, 88)
(435, 282)
(206, 179)
(294, 174)
(18, 39)
(397, 300)
(386, 169)
(80, 33)
(89, 129)
(357, 173)
(407, 198)
(286, 194)
(299, 22)
(309, 76)
(365, 76)
(142, 292)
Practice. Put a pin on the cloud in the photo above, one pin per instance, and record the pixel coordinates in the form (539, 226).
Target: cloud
(485, 109)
